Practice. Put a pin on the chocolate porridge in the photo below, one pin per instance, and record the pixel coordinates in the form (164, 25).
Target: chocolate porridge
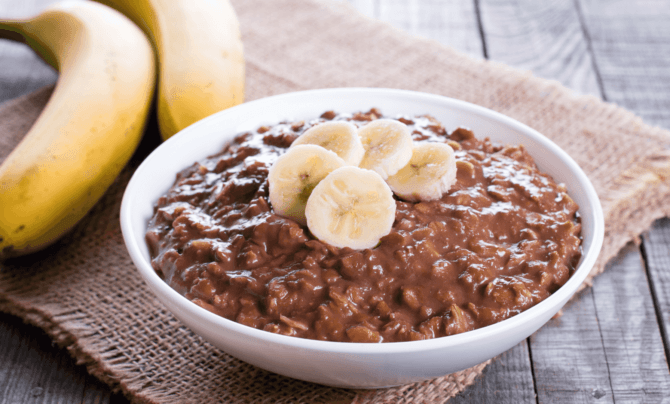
(504, 238)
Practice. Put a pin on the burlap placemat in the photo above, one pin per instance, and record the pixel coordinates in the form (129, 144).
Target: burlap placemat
(86, 294)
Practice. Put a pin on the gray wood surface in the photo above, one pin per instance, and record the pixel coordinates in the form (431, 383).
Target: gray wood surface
(545, 37)
(611, 344)
(657, 257)
(35, 371)
(569, 361)
(452, 23)
(629, 331)
(630, 41)
(507, 380)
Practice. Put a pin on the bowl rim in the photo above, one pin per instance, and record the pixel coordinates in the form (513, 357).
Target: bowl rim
(159, 287)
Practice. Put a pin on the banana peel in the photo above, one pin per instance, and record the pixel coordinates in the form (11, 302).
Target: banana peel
(88, 130)
(199, 56)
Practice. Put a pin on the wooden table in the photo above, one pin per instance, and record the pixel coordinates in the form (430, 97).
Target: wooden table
(611, 344)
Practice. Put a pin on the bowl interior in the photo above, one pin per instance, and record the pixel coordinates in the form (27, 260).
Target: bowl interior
(206, 137)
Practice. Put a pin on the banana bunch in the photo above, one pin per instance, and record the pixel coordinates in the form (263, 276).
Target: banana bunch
(199, 53)
(89, 128)
(340, 180)
(96, 115)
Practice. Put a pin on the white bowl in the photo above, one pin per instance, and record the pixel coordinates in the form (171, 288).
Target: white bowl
(345, 364)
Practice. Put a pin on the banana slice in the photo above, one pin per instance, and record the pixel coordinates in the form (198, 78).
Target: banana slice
(351, 207)
(295, 174)
(340, 137)
(388, 146)
(430, 173)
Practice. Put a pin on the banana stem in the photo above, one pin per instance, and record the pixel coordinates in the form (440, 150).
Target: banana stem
(14, 31)
(9, 30)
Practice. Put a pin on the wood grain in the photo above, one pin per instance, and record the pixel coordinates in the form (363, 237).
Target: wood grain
(569, 359)
(630, 332)
(545, 37)
(656, 244)
(508, 380)
(450, 22)
(607, 346)
(631, 48)
(36, 371)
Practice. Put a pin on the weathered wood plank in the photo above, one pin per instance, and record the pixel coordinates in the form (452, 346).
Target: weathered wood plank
(33, 369)
(631, 47)
(21, 70)
(656, 245)
(10, 347)
(630, 332)
(569, 360)
(545, 37)
(508, 380)
(451, 22)
(607, 346)
(96, 392)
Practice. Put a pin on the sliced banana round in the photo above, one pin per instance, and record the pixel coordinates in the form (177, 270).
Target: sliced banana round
(388, 146)
(430, 173)
(340, 137)
(295, 174)
(351, 207)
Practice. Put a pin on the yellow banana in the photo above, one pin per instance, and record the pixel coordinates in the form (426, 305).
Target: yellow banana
(87, 131)
(200, 57)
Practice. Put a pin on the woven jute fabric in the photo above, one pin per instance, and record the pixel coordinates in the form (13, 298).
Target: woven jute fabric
(85, 292)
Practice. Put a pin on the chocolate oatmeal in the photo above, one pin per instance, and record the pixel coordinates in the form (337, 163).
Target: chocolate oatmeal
(501, 240)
